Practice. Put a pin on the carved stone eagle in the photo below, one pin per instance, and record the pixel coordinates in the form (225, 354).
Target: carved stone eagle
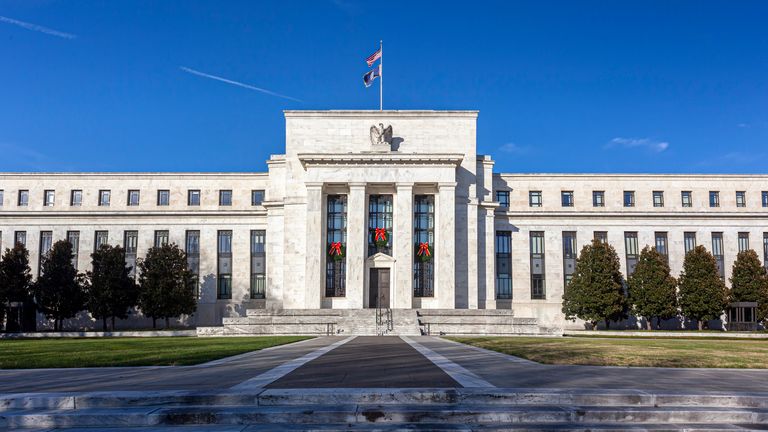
(381, 135)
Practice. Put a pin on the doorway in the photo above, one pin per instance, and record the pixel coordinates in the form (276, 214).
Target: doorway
(378, 293)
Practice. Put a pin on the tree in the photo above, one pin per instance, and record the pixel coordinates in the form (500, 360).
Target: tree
(749, 282)
(167, 285)
(112, 291)
(703, 295)
(15, 281)
(652, 290)
(595, 292)
(58, 290)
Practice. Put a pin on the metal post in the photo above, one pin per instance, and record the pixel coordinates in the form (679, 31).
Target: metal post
(381, 76)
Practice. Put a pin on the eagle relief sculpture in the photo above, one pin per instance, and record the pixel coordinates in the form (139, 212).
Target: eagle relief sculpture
(381, 136)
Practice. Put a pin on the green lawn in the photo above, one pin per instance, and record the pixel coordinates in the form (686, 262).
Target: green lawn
(662, 352)
(149, 351)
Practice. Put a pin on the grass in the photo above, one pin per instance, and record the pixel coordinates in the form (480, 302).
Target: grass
(149, 351)
(669, 352)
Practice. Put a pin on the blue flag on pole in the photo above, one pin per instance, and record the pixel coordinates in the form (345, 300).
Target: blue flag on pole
(371, 75)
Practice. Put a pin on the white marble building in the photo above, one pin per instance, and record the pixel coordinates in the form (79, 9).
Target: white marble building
(498, 241)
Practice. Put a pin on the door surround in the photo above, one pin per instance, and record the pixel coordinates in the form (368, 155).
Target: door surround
(380, 261)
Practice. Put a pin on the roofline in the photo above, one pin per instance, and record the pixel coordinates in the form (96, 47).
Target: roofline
(630, 175)
(133, 174)
(377, 113)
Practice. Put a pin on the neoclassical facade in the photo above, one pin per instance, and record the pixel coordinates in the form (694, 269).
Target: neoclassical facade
(392, 209)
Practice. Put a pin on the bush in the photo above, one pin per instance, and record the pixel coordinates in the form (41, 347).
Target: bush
(59, 290)
(112, 292)
(652, 290)
(703, 295)
(749, 282)
(167, 286)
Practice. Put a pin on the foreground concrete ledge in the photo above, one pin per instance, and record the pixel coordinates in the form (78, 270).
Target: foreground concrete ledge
(666, 333)
(85, 334)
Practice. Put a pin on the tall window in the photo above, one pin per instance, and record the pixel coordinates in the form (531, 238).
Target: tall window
(193, 197)
(503, 198)
(686, 198)
(534, 198)
(717, 251)
(658, 198)
(601, 236)
(100, 238)
(765, 250)
(538, 287)
(163, 197)
(20, 237)
(161, 238)
(258, 264)
(225, 197)
(569, 256)
(423, 232)
(76, 198)
(2, 197)
(73, 237)
(689, 241)
(133, 197)
(764, 198)
(257, 197)
(131, 248)
(714, 199)
(192, 248)
(23, 198)
(224, 268)
(598, 198)
(336, 232)
(49, 198)
(566, 198)
(104, 197)
(741, 199)
(503, 265)
(379, 216)
(632, 250)
(661, 244)
(46, 242)
(629, 198)
(743, 241)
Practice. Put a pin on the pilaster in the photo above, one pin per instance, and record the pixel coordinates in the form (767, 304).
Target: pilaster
(445, 272)
(356, 242)
(403, 246)
(315, 256)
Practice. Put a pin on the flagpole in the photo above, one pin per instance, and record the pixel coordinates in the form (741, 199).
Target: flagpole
(381, 76)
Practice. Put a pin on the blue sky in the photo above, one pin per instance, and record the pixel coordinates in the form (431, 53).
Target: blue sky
(561, 86)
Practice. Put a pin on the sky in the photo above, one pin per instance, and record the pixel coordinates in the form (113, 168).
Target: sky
(561, 86)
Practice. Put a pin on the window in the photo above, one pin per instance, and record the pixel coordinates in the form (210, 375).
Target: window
(764, 198)
(193, 197)
(131, 248)
(601, 236)
(658, 198)
(569, 256)
(689, 241)
(163, 197)
(538, 287)
(566, 198)
(629, 198)
(1, 240)
(224, 269)
(49, 198)
(257, 197)
(133, 197)
(503, 198)
(598, 198)
(534, 198)
(336, 232)
(192, 248)
(687, 198)
(76, 198)
(20, 237)
(161, 238)
(765, 250)
(714, 199)
(258, 264)
(100, 238)
(104, 196)
(23, 198)
(73, 237)
(661, 244)
(741, 199)
(225, 197)
(717, 251)
(379, 216)
(632, 251)
(2, 197)
(743, 241)
(503, 265)
(423, 232)
(46, 242)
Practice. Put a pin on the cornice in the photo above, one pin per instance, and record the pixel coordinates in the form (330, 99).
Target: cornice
(380, 159)
(123, 214)
(631, 215)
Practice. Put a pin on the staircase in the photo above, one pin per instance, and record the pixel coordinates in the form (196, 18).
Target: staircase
(488, 322)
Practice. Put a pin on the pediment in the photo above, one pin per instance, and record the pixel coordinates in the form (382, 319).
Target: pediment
(380, 258)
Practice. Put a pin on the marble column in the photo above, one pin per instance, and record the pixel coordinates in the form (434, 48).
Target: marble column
(489, 284)
(445, 271)
(356, 245)
(315, 256)
(403, 247)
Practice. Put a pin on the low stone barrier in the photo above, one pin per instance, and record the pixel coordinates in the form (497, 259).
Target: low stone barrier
(86, 334)
(666, 333)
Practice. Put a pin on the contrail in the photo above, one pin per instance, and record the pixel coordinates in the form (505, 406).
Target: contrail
(37, 28)
(239, 84)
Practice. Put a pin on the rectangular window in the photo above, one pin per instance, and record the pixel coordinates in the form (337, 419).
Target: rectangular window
(161, 238)
(131, 249)
(20, 237)
(23, 198)
(743, 241)
(257, 197)
(658, 198)
(601, 236)
(46, 242)
(76, 198)
(538, 286)
(502, 197)
(714, 199)
(503, 265)
(133, 197)
(534, 199)
(566, 198)
(741, 199)
(225, 197)
(379, 217)
(73, 237)
(336, 234)
(224, 268)
(49, 198)
(661, 244)
(689, 241)
(193, 197)
(686, 198)
(717, 251)
(764, 198)
(104, 197)
(629, 198)
(100, 238)
(765, 250)
(192, 248)
(163, 197)
(632, 251)
(598, 198)
(258, 264)
(423, 233)
(2, 197)
(569, 256)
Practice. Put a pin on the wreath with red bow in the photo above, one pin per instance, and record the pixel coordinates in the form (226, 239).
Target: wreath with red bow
(337, 251)
(424, 251)
(381, 237)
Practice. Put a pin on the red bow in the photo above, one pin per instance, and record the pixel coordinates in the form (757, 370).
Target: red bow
(423, 249)
(381, 234)
(335, 249)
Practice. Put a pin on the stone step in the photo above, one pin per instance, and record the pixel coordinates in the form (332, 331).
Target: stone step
(465, 312)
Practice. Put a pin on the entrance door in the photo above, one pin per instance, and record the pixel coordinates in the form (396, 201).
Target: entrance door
(378, 292)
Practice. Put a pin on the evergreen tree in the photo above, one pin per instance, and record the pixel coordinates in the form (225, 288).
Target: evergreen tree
(703, 295)
(59, 291)
(15, 281)
(652, 290)
(749, 282)
(112, 291)
(595, 292)
(167, 286)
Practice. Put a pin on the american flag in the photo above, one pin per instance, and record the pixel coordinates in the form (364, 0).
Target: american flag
(373, 57)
